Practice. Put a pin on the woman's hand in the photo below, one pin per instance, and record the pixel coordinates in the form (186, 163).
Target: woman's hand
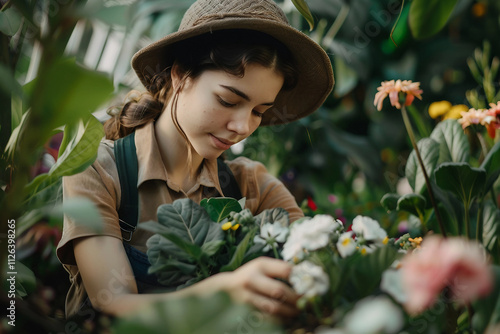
(255, 283)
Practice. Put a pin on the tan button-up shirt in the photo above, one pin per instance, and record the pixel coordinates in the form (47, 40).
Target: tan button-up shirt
(100, 183)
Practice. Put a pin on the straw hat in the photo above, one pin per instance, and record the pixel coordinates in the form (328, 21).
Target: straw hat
(315, 75)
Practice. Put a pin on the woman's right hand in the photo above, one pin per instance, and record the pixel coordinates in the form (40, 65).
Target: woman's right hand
(256, 283)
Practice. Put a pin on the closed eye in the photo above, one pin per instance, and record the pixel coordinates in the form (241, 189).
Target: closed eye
(225, 103)
(258, 114)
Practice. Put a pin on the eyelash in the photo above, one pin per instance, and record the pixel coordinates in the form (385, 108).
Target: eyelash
(225, 103)
(228, 105)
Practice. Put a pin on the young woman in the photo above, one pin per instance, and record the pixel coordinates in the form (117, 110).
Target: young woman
(233, 66)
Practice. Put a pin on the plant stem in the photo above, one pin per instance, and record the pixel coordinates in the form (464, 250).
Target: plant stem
(467, 220)
(276, 255)
(479, 223)
(409, 129)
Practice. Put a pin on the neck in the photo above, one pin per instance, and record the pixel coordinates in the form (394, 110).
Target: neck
(174, 152)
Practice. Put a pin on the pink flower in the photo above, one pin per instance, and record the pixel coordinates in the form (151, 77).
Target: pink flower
(393, 88)
(455, 263)
(473, 116)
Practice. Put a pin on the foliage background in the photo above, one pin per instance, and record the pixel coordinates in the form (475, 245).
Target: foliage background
(346, 148)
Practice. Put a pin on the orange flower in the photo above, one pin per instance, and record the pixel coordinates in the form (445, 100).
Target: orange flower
(393, 88)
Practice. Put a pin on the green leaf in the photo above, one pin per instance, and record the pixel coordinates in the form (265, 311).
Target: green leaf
(184, 228)
(491, 164)
(412, 203)
(303, 9)
(429, 151)
(25, 280)
(70, 92)
(220, 207)
(240, 252)
(491, 228)
(79, 150)
(461, 179)
(215, 314)
(212, 247)
(271, 216)
(10, 21)
(83, 211)
(427, 17)
(172, 265)
(487, 310)
(8, 82)
(390, 201)
(368, 269)
(453, 143)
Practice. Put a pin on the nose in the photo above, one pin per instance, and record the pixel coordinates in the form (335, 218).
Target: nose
(240, 122)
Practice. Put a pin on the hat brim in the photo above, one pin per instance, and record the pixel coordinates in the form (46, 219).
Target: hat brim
(315, 74)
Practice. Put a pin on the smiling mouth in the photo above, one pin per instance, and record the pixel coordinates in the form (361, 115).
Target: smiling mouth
(221, 143)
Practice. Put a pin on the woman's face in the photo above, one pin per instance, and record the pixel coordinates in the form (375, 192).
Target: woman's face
(217, 110)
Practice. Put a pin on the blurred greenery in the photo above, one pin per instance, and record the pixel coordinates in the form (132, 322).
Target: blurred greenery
(61, 60)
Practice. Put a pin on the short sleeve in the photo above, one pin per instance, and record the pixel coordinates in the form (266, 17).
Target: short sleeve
(99, 184)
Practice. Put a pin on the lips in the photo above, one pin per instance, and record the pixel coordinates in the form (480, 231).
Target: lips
(221, 143)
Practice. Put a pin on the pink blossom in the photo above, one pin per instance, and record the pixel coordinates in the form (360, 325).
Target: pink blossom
(455, 263)
(393, 88)
(473, 116)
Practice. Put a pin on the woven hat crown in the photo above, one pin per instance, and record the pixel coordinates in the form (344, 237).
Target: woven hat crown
(205, 11)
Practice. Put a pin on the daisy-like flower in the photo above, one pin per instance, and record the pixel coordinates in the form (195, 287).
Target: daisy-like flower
(270, 235)
(393, 88)
(346, 244)
(309, 279)
(369, 229)
(473, 116)
(309, 235)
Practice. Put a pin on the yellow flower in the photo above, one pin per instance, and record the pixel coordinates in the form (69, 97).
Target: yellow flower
(455, 111)
(226, 226)
(235, 227)
(416, 241)
(437, 109)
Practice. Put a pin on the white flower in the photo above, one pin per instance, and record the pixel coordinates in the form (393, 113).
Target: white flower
(369, 229)
(271, 234)
(309, 235)
(392, 284)
(346, 244)
(309, 279)
(374, 315)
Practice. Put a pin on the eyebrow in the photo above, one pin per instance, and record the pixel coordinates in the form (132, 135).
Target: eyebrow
(243, 95)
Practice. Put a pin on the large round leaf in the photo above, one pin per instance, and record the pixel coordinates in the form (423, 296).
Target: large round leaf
(390, 201)
(453, 143)
(461, 179)
(491, 164)
(412, 203)
(429, 151)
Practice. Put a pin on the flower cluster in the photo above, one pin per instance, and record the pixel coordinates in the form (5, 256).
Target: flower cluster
(490, 118)
(310, 235)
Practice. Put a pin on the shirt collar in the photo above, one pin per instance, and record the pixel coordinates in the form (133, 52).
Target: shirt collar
(151, 165)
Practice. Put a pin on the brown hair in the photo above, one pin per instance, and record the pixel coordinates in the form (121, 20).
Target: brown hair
(227, 50)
